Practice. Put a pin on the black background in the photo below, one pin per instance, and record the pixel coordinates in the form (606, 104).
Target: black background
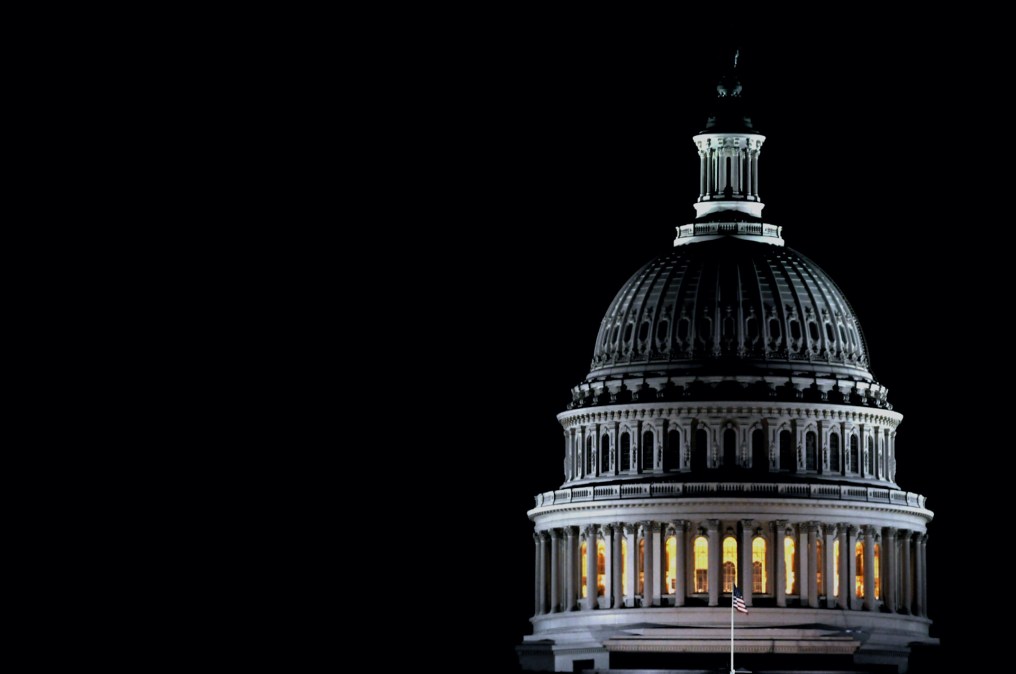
(565, 163)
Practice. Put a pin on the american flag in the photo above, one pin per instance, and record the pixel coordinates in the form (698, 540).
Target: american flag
(739, 600)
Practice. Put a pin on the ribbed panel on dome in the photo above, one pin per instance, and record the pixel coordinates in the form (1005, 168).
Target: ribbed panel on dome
(730, 306)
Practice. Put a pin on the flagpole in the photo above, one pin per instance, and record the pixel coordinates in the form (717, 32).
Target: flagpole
(731, 633)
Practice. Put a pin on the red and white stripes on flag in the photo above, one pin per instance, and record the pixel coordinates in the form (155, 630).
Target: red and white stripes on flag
(739, 601)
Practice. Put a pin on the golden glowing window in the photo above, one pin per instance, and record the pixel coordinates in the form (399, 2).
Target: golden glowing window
(642, 566)
(624, 561)
(758, 565)
(877, 570)
(729, 563)
(836, 568)
(670, 570)
(819, 576)
(701, 564)
(790, 561)
(585, 569)
(859, 578)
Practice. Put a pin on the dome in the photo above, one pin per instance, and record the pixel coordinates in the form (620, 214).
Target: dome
(730, 307)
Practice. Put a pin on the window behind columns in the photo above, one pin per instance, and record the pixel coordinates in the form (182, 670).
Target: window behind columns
(790, 557)
(810, 451)
(729, 448)
(670, 568)
(834, 452)
(701, 564)
(729, 563)
(787, 459)
(759, 451)
(601, 566)
(590, 456)
(699, 450)
(836, 568)
(604, 453)
(584, 550)
(859, 561)
(625, 451)
(758, 565)
(647, 449)
(871, 455)
(877, 571)
(642, 566)
(819, 576)
(672, 453)
(855, 451)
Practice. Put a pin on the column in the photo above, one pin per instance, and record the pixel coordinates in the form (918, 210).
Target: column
(536, 574)
(543, 571)
(657, 557)
(812, 564)
(571, 587)
(555, 570)
(745, 570)
(869, 568)
(715, 561)
(829, 565)
(781, 563)
(889, 569)
(616, 582)
(702, 173)
(591, 567)
(907, 570)
(847, 566)
(680, 587)
(607, 532)
(631, 531)
(920, 608)
(647, 564)
(804, 569)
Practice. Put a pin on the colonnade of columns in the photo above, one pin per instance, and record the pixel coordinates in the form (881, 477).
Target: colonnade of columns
(645, 580)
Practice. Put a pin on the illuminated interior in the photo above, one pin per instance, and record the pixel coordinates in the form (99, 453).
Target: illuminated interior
(642, 566)
(758, 565)
(585, 575)
(729, 563)
(790, 559)
(859, 579)
(701, 564)
(601, 568)
(877, 570)
(819, 576)
(836, 568)
(624, 562)
(670, 568)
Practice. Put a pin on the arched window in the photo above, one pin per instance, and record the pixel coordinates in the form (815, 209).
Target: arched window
(729, 563)
(671, 457)
(787, 459)
(590, 456)
(625, 451)
(758, 566)
(729, 448)
(855, 464)
(836, 568)
(601, 568)
(584, 551)
(604, 453)
(642, 566)
(834, 452)
(670, 568)
(877, 571)
(871, 455)
(759, 451)
(859, 560)
(648, 446)
(819, 576)
(701, 564)
(699, 451)
(810, 451)
(790, 559)
(624, 564)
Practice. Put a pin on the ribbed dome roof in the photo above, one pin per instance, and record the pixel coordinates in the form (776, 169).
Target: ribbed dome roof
(730, 307)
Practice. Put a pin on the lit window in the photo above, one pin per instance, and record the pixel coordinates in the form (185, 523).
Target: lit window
(642, 566)
(819, 576)
(624, 561)
(758, 565)
(859, 579)
(601, 568)
(877, 570)
(729, 563)
(670, 573)
(701, 564)
(836, 568)
(585, 570)
(790, 561)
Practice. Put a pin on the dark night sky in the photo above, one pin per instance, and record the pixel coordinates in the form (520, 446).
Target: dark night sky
(570, 167)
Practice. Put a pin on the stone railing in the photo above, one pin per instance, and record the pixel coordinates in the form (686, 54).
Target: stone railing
(742, 489)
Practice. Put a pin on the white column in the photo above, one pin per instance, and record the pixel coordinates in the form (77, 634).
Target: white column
(544, 543)
(804, 568)
(921, 543)
(869, 568)
(829, 564)
(657, 565)
(631, 578)
(715, 561)
(680, 588)
(591, 567)
(812, 565)
(647, 564)
(745, 571)
(607, 532)
(908, 571)
(536, 573)
(781, 563)
(849, 579)
(571, 550)
(617, 583)
(889, 600)
(703, 168)
(555, 570)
